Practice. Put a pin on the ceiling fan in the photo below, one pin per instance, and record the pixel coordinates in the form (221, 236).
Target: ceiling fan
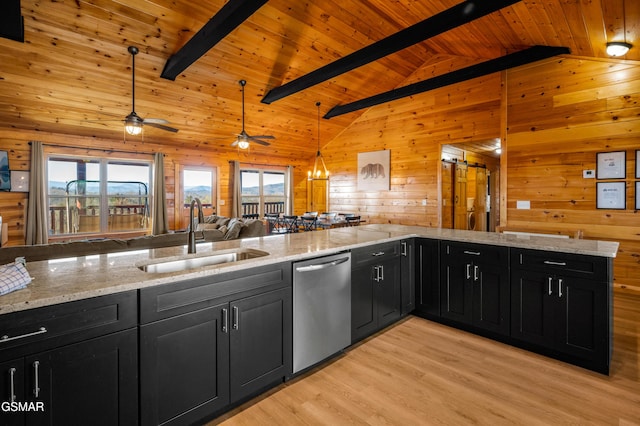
(133, 123)
(243, 139)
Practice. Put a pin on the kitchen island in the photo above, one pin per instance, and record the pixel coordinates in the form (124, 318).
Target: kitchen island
(179, 347)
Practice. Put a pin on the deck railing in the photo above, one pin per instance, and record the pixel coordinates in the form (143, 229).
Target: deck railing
(269, 207)
(63, 220)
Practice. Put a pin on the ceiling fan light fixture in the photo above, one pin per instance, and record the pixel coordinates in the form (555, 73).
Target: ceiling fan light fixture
(617, 48)
(133, 124)
(243, 144)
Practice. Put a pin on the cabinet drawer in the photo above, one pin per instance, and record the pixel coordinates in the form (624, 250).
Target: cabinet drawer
(178, 298)
(375, 253)
(488, 255)
(52, 326)
(593, 267)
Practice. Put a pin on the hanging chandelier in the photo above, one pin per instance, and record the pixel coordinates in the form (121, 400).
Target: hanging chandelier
(318, 173)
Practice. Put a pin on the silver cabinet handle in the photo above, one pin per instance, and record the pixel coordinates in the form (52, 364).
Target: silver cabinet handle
(12, 374)
(225, 320)
(468, 270)
(235, 320)
(550, 289)
(474, 253)
(560, 287)
(551, 262)
(381, 272)
(7, 338)
(376, 272)
(316, 267)
(475, 272)
(36, 385)
(378, 253)
(404, 248)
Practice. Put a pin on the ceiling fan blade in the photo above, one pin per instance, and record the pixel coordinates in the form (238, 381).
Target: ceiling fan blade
(155, 121)
(258, 141)
(161, 126)
(262, 137)
(234, 143)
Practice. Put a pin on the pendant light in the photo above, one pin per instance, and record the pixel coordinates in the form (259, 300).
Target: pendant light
(318, 173)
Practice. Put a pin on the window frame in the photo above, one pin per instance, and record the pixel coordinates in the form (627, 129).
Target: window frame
(102, 196)
(261, 196)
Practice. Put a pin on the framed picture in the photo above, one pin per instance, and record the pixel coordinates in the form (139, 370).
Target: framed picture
(638, 195)
(5, 181)
(638, 164)
(373, 170)
(19, 181)
(611, 165)
(611, 195)
(4, 161)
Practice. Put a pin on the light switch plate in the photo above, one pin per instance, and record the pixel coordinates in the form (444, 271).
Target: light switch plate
(523, 205)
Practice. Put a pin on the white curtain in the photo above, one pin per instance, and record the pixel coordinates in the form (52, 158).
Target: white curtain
(37, 227)
(160, 217)
(236, 202)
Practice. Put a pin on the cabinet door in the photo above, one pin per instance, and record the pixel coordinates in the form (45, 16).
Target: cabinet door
(364, 307)
(427, 277)
(184, 366)
(532, 307)
(388, 292)
(407, 277)
(93, 382)
(456, 289)
(260, 342)
(491, 300)
(12, 390)
(581, 320)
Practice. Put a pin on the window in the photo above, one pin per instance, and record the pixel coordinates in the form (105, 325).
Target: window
(97, 195)
(263, 191)
(198, 182)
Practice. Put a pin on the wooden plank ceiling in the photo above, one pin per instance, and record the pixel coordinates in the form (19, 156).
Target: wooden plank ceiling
(73, 73)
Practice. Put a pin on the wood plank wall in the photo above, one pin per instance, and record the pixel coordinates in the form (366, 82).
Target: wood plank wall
(560, 114)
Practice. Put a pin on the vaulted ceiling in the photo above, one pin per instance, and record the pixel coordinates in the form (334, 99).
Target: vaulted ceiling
(72, 75)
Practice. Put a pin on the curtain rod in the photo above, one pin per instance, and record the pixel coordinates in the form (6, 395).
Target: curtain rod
(95, 149)
(257, 164)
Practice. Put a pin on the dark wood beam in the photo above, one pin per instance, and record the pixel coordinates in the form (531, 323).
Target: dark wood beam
(522, 57)
(456, 16)
(226, 20)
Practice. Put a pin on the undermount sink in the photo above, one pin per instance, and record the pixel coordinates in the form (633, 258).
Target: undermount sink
(176, 265)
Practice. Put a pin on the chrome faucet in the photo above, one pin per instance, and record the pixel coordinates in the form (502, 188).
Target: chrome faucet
(192, 231)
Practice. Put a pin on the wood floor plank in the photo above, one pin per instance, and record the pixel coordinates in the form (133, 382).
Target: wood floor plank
(418, 372)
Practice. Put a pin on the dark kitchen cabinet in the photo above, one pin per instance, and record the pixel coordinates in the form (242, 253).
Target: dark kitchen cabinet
(407, 276)
(427, 281)
(231, 338)
(68, 376)
(375, 288)
(474, 285)
(561, 303)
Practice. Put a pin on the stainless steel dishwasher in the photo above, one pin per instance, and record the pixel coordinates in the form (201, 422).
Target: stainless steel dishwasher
(321, 309)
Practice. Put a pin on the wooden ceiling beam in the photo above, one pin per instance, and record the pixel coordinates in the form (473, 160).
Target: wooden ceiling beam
(453, 17)
(219, 26)
(522, 57)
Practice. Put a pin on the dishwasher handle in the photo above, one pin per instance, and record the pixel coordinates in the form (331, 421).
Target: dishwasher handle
(319, 266)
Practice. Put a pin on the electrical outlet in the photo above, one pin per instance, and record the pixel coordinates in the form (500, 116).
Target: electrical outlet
(424, 202)
(589, 174)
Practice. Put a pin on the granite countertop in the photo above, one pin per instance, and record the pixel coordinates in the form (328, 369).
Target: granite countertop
(62, 280)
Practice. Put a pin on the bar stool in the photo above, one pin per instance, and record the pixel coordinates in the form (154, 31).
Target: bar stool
(309, 222)
(290, 223)
(353, 220)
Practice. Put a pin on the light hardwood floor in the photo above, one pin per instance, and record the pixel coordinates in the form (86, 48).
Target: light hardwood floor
(419, 372)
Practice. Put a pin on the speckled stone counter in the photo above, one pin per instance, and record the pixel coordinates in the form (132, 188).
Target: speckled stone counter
(63, 280)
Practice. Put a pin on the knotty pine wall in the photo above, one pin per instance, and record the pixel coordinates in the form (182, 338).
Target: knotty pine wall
(560, 114)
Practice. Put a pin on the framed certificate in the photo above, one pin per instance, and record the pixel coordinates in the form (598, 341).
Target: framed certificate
(638, 195)
(611, 195)
(612, 165)
(638, 164)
